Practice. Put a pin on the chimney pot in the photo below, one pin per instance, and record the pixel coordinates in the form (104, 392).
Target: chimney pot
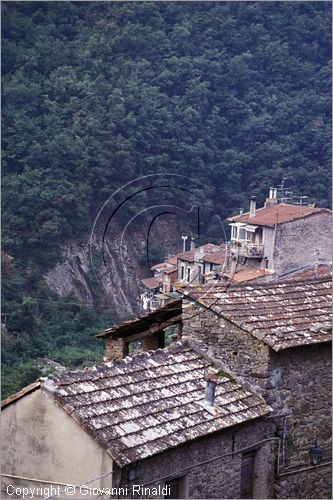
(253, 204)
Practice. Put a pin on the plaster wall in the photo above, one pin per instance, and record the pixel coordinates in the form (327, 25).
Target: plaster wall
(43, 442)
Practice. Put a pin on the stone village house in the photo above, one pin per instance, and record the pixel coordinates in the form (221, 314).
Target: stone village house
(266, 238)
(237, 408)
(261, 248)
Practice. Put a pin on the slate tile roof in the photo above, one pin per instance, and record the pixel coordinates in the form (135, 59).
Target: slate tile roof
(141, 406)
(280, 213)
(284, 314)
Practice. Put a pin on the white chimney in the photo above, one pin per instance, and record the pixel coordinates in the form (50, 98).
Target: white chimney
(241, 211)
(192, 243)
(272, 200)
(253, 204)
(184, 238)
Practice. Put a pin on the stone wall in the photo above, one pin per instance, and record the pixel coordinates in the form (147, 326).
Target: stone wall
(309, 483)
(303, 242)
(233, 349)
(300, 387)
(295, 382)
(216, 479)
(115, 349)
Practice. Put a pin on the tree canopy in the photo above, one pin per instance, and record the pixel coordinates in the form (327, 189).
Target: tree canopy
(235, 95)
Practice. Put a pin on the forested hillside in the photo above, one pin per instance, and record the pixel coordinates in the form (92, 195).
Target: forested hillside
(234, 94)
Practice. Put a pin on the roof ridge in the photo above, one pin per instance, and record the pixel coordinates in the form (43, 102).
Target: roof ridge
(145, 355)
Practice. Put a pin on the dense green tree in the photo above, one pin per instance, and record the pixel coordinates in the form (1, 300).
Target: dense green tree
(235, 95)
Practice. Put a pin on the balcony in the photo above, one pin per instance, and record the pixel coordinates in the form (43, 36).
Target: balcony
(247, 249)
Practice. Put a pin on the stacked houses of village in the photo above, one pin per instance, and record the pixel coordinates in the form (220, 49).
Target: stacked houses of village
(234, 404)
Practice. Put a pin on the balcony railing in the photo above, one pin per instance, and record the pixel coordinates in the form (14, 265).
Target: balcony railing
(247, 249)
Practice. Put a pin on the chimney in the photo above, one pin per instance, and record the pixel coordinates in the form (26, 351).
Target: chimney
(253, 206)
(192, 243)
(210, 388)
(241, 211)
(272, 200)
(184, 238)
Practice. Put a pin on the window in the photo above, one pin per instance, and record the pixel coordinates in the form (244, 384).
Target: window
(174, 488)
(188, 274)
(210, 266)
(182, 272)
(247, 475)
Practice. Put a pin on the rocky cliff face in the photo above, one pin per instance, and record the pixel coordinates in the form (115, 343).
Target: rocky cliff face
(115, 286)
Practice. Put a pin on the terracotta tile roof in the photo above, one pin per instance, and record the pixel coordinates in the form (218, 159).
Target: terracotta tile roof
(158, 266)
(217, 258)
(247, 275)
(142, 406)
(18, 395)
(321, 271)
(282, 314)
(171, 309)
(207, 249)
(188, 256)
(172, 260)
(280, 213)
(152, 283)
(169, 270)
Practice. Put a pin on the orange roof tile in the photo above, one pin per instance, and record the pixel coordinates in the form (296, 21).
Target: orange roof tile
(216, 257)
(151, 283)
(247, 275)
(279, 214)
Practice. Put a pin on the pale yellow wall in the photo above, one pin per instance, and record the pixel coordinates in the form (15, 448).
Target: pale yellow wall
(40, 440)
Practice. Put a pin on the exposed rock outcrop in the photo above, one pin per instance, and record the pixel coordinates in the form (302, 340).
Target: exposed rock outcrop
(115, 285)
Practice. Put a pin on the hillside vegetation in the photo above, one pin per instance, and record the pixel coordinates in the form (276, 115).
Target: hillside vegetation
(235, 95)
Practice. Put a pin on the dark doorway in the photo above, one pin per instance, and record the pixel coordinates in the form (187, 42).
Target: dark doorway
(173, 488)
(247, 473)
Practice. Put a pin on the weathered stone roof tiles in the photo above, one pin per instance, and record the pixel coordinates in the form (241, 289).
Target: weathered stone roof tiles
(285, 314)
(146, 404)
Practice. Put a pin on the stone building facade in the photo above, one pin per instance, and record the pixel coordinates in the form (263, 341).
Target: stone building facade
(293, 376)
(266, 238)
(200, 474)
